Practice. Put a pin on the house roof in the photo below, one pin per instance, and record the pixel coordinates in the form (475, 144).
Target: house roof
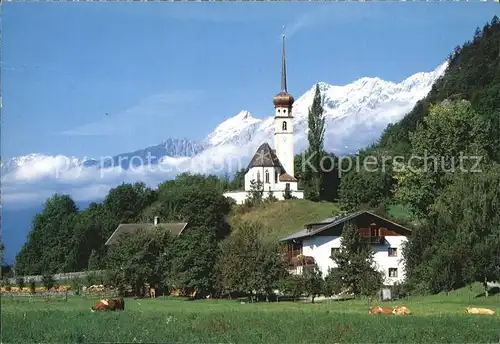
(332, 222)
(175, 228)
(285, 177)
(264, 157)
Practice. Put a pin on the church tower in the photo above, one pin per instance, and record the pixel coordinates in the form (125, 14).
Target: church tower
(283, 128)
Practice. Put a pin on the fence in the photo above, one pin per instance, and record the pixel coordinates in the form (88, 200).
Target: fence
(59, 277)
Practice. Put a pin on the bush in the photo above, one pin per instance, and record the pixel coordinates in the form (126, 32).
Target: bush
(91, 278)
(76, 285)
(32, 286)
(292, 285)
(48, 281)
(401, 289)
(20, 282)
(287, 194)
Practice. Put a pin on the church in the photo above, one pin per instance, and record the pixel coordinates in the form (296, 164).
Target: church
(274, 168)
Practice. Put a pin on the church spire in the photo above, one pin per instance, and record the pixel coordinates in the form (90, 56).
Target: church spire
(283, 67)
(283, 99)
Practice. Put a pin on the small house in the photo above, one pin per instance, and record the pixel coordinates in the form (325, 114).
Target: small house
(315, 244)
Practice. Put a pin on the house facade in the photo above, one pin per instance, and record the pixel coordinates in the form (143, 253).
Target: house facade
(273, 169)
(314, 245)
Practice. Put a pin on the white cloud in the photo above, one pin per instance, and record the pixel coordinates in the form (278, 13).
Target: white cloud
(39, 178)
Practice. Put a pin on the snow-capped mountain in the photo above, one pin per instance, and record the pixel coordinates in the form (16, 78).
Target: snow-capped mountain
(171, 148)
(41, 161)
(355, 115)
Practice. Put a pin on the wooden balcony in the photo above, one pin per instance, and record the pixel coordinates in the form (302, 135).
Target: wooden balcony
(373, 240)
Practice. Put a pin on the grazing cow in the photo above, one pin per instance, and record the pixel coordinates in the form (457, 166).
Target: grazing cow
(473, 310)
(109, 305)
(380, 310)
(400, 310)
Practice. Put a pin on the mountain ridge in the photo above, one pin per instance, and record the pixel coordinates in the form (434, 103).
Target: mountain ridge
(369, 104)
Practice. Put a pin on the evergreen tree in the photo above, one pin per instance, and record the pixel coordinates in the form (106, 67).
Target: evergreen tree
(288, 193)
(270, 196)
(354, 261)
(238, 182)
(256, 192)
(315, 136)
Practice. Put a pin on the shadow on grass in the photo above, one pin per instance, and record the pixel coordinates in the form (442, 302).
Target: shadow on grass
(491, 292)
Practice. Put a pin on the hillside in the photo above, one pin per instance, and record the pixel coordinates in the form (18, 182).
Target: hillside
(284, 218)
(473, 73)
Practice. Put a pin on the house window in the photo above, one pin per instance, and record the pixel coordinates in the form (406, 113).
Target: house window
(284, 126)
(276, 177)
(334, 250)
(393, 252)
(267, 176)
(287, 186)
(393, 272)
(258, 176)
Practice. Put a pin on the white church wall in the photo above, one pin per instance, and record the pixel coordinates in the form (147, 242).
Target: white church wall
(238, 196)
(241, 196)
(282, 186)
(253, 173)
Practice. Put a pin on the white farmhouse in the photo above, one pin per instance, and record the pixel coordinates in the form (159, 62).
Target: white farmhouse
(274, 168)
(317, 241)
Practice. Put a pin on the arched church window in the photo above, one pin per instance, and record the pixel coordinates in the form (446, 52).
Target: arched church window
(267, 176)
(284, 126)
(258, 176)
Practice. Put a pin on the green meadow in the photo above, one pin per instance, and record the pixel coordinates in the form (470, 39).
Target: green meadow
(440, 318)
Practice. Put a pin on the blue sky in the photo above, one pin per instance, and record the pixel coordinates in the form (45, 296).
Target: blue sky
(164, 70)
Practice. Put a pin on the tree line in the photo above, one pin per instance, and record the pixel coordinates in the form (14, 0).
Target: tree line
(453, 196)
(204, 258)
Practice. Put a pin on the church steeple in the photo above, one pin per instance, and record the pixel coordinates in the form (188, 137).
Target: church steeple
(283, 67)
(283, 99)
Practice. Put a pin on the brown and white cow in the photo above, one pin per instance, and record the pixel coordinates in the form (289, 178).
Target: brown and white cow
(474, 310)
(400, 310)
(380, 310)
(109, 305)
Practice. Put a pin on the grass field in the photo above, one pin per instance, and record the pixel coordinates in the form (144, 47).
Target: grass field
(284, 218)
(439, 318)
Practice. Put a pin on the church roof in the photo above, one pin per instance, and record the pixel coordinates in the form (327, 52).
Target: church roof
(265, 157)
